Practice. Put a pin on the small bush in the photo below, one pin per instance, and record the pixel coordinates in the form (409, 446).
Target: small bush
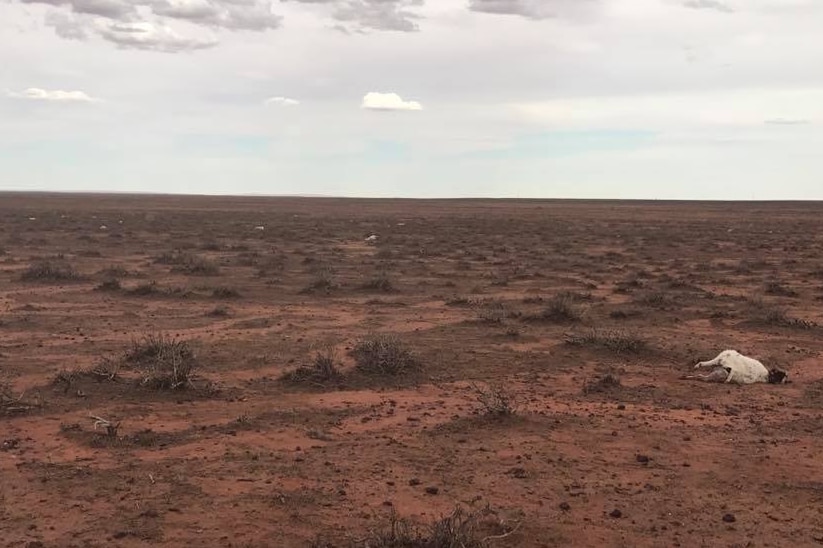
(225, 293)
(172, 258)
(778, 289)
(145, 289)
(655, 299)
(561, 308)
(618, 341)
(164, 362)
(322, 370)
(769, 314)
(383, 355)
(50, 271)
(380, 282)
(219, 312)
(323, 282)
(197, 266)
(607, 383)
(496, 401)
(457, 530)
(493, 312)
(109, 285)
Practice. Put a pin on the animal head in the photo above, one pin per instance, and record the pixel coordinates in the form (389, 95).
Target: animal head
(778, 376)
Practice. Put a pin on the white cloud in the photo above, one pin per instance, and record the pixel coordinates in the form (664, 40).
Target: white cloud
(388, 101)
(57, 96)
(281, 101)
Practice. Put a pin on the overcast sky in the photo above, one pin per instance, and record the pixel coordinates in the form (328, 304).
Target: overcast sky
(693, 99)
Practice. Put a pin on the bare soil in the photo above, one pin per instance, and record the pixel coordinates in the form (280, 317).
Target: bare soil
(583, 314)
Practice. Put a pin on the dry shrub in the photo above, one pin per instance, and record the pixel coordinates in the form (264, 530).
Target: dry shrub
(384, 354)
(492, 312)
(224, 292)
(379, 282)
(164, 362)
(322, 370)
(109, 285)
(323, 282)
(50, 271)
(562, 308)
(766, 313)
(605, 384)
(496, 401)
(613, 340)
(457, 530)
(12, 403)
(197, 266)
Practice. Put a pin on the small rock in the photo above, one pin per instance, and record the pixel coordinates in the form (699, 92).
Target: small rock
(729, 518)
(414, 481)
(621, 407)
(432, 490)
(643, 459)
(616, 513)
(565, 506)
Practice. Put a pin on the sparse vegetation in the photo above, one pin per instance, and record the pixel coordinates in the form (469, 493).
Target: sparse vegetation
(323, 281)
(224, 292)
(384, 354)
(109, 285)
(164, 362)
(779, 290)
(492, 312)
(606, 383)
(561, 308)
(219, 312)
(323, 369)
(12, 403)
(613, 340)
(379, 282)
(197, 266)
(655, 299)
(767, 313)
(457, 530)
(495, 400)
(50, 271)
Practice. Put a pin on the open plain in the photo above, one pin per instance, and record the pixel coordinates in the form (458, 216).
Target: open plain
(529, 374)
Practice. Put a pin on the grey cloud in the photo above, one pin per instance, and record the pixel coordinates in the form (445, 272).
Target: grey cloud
(110, 9)
(148, 36)
(534, 9)
(708, 5)
(125, 23)
(254, 15)
(357, 15)
(67, 26)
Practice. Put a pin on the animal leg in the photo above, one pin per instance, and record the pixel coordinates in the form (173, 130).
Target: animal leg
(710, 363)
(720, 374)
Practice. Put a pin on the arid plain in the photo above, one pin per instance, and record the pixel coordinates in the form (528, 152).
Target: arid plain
(173, 374)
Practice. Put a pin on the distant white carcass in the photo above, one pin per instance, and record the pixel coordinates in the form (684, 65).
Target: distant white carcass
(730, 366)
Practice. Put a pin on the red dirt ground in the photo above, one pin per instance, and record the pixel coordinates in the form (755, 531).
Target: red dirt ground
(244, 458)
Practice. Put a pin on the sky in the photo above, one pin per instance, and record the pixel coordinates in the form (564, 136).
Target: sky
(653, 99)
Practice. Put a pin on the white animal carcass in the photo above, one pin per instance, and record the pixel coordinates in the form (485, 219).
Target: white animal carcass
(730, 366)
